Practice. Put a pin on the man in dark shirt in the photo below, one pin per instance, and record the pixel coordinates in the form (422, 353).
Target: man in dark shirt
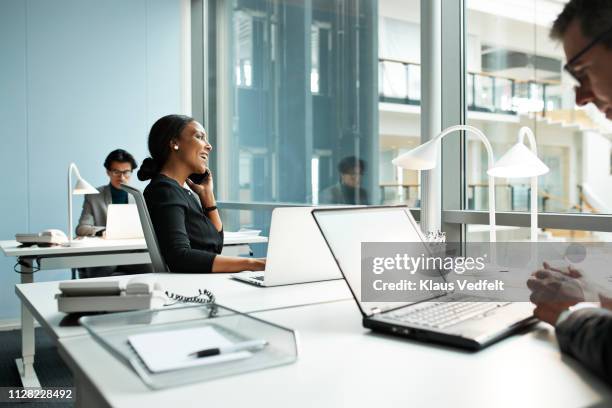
(585, 28)
(348, 190)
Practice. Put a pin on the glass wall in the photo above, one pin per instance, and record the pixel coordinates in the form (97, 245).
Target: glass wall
(516, 80)
(399, 72)
(298, 118)
(309, 102)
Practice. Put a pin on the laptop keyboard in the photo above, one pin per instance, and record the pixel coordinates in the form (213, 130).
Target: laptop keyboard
(439, 315)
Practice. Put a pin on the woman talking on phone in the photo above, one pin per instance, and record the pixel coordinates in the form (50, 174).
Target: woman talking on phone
(190, 235)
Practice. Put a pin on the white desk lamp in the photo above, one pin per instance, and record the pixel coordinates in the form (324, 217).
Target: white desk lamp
(80, 187)
(520, 162)
(425, 157)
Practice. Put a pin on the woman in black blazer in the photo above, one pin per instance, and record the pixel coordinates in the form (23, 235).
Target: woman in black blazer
(189, 232)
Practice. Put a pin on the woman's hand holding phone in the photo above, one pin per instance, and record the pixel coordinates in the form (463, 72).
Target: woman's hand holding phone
(202, 185)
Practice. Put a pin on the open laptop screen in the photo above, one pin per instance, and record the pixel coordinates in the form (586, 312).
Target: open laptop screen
(345, 229)
(123, 222)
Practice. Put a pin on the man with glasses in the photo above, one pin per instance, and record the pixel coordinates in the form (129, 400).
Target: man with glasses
(585, 28)
(119, 166)
(584, 332)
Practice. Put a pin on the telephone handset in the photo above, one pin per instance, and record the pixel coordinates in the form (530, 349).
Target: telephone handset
(200, 178)
(139, 285)
(140, 292)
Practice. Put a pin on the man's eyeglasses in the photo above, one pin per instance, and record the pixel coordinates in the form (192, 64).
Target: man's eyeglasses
(569, 67)
(124, 173)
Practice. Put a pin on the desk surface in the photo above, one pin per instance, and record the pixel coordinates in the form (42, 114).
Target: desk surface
(39, 297)
(88, 245)
(342, 364)
(94, 244)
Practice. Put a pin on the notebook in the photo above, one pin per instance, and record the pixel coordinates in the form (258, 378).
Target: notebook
(169, 350)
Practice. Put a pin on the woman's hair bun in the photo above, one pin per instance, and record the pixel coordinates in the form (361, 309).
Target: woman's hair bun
(148, 169)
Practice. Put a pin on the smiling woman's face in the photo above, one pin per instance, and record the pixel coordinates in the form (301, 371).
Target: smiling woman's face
(193, 147)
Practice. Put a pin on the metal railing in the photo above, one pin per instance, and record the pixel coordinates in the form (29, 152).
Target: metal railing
(399, 82)
(519, 196)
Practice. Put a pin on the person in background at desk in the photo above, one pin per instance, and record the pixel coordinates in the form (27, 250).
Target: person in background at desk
(348, 190)
(189, 232)
(584, 332)
(119, 166)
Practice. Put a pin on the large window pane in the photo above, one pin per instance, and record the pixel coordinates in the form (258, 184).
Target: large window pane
(515, 79)
(400, 97)
(318, 99)
(302, 97)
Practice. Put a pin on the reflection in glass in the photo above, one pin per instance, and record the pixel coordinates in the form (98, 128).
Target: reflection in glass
(515, 79)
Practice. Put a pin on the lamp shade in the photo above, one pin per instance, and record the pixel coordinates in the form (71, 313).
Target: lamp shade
(83, 187)
(518, 162)
(423, 157)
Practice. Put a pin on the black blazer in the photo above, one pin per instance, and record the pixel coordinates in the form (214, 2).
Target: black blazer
(188, 240)
(586, 335)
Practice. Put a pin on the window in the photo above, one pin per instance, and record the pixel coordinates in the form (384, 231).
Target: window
(515, 79)
(298, 118)
(295, 88)
(399, 88)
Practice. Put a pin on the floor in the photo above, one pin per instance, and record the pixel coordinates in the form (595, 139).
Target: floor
(51, 370)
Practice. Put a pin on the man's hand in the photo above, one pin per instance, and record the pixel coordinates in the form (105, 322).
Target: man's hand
(555, 290)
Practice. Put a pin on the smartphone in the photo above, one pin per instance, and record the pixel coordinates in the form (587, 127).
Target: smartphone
(200, 178)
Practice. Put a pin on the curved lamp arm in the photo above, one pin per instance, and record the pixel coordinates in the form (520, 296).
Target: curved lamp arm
(485, 141)
(526, 131)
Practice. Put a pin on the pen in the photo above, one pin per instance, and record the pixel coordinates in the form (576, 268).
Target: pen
(245, 345)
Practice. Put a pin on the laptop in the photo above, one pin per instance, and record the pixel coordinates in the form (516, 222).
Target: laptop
(123, 222)
(296, 251)
(466, 324)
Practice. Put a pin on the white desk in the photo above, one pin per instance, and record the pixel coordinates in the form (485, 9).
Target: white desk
(39, 298)
(341, 364)
(91, 252)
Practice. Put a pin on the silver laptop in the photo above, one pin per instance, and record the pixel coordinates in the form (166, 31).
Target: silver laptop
(462, 323)
(123, 222)
(296, 251)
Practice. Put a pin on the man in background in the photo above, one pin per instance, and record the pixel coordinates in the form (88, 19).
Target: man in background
(119, 166)
(348, 190)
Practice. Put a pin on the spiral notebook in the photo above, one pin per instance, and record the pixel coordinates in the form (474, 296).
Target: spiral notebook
(169, 350)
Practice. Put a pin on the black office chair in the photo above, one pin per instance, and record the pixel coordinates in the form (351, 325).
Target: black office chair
(159, 265)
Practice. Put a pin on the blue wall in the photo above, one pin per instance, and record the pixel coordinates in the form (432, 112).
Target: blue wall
(77, 79)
